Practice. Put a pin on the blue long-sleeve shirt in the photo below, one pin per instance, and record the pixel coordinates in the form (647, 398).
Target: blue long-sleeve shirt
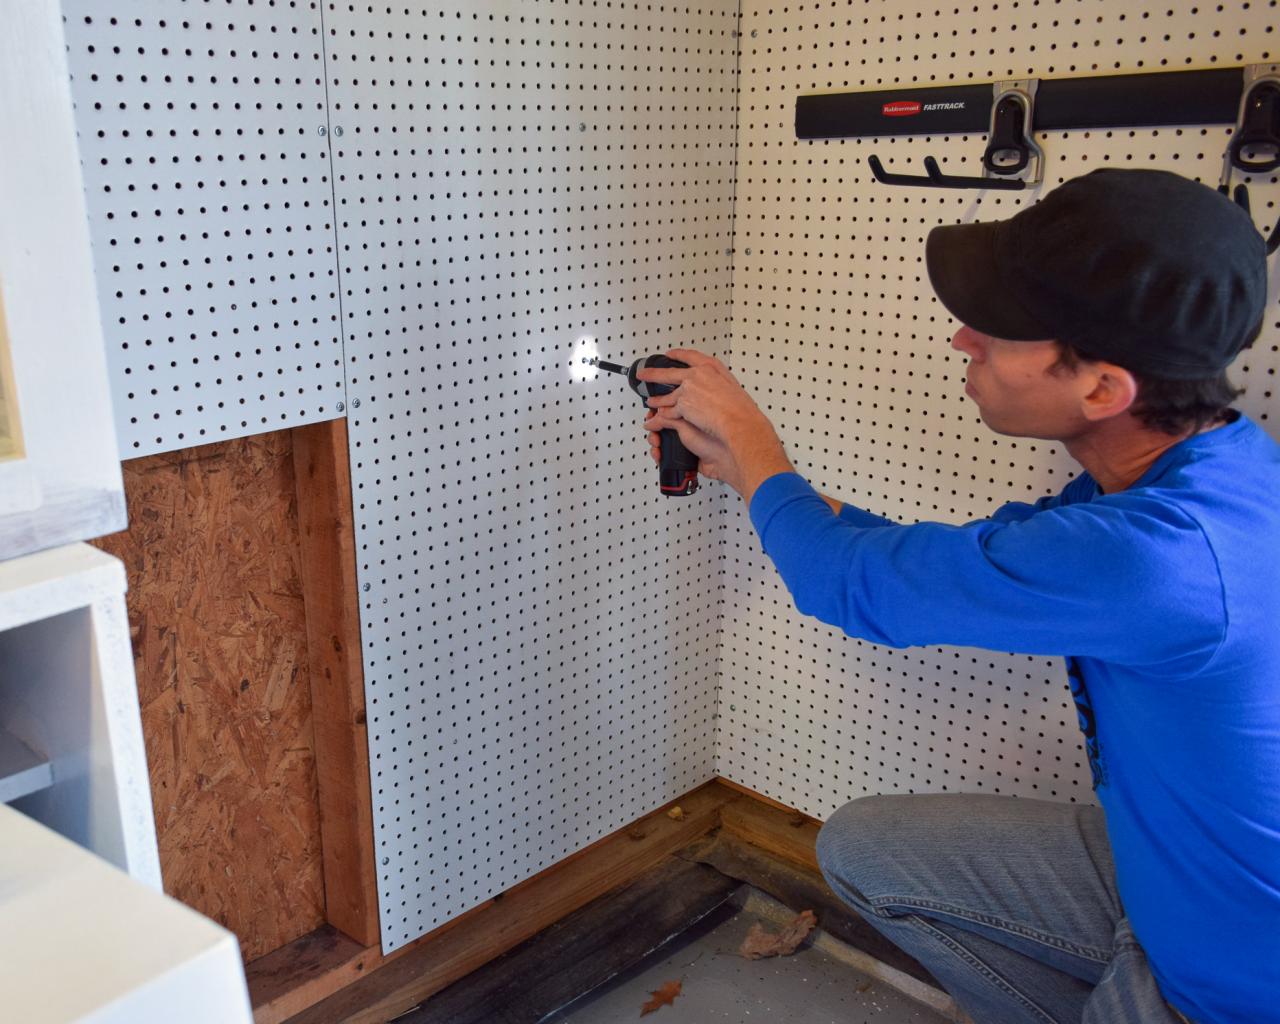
(1165, 599)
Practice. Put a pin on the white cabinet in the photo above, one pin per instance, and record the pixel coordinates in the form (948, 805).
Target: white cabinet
(59, 465)
(81, 941)
(69, 714)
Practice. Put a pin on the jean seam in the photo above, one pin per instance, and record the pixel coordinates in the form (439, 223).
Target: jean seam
(974, 963)
(1085, 952)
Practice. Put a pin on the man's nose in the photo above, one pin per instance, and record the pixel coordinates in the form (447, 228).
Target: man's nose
(968, 341)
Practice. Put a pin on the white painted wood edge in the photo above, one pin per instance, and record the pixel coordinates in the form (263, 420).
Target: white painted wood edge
(19, 489)
(48, 583)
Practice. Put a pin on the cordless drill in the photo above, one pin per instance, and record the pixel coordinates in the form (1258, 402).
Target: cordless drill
(678, 470)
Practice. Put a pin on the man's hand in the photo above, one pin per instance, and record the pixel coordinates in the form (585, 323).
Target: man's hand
(717, 421)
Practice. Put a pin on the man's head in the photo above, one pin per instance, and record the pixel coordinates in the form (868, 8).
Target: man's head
(1122, 291)
(1021, 389)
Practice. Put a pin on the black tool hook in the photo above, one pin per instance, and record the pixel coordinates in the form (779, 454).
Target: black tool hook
(1273, 239)
(1255, 144)
(936, 179)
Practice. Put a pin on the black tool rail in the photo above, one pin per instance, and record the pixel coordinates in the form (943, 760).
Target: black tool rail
(1111, 101)
(1010, 112)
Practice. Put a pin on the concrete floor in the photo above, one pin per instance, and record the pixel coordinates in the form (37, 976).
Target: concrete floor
(819, 984)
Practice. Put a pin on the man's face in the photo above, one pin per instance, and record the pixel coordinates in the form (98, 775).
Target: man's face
(1015, 391)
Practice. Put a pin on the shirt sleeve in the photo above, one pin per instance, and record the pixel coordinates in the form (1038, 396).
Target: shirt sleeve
(1089, 579)
(861, 517)
(1012, 512)
(1018, 511)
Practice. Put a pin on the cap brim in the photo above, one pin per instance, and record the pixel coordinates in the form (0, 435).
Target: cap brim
(963, 269)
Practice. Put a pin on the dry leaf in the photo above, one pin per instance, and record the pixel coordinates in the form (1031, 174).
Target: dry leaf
(862, 986)
(664, 996)
(760, 943)
(676, 814)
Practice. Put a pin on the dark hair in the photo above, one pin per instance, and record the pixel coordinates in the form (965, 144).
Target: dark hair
(1170, 406)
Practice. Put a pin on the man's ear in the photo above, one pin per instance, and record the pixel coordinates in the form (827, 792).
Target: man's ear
(1114, 392)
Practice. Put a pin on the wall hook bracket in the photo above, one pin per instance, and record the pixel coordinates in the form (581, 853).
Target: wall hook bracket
(1010, 147)
(1255, 144)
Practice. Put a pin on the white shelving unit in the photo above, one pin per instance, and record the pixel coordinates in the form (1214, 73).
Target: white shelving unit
(67, 694)
(83, 942)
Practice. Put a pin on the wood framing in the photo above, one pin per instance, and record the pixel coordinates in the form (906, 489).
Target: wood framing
(289, 987)
(783, 833)
(243, 607)
(584, 950)
(306, 971)
(216, 612)
(327, 537)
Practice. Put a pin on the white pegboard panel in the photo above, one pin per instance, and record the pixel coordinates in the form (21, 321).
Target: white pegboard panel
(207, 177)
(520, 184)
(838, 334)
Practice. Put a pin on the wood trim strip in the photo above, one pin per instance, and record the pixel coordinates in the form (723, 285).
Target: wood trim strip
(327, 539)
(786, 834)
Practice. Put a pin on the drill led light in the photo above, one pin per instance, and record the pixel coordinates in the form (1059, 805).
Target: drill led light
(580, 361)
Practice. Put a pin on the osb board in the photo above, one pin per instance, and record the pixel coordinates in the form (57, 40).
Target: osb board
(220, 643)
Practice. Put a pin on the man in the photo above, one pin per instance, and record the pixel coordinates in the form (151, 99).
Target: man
(1102, 317)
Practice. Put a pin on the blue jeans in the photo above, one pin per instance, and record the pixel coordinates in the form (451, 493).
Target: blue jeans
(1011, 903)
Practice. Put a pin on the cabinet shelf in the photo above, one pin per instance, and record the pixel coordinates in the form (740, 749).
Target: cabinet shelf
(22, 770)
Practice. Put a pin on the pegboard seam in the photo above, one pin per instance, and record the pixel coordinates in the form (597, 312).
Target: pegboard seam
(333, 192)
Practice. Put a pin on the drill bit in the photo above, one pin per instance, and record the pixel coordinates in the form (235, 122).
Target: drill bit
(611, 367)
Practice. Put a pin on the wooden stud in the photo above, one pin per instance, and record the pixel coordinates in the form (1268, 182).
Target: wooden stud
(306, 971)
(331, 593)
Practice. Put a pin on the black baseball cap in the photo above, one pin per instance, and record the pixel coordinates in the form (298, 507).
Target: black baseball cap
(1143, 268)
